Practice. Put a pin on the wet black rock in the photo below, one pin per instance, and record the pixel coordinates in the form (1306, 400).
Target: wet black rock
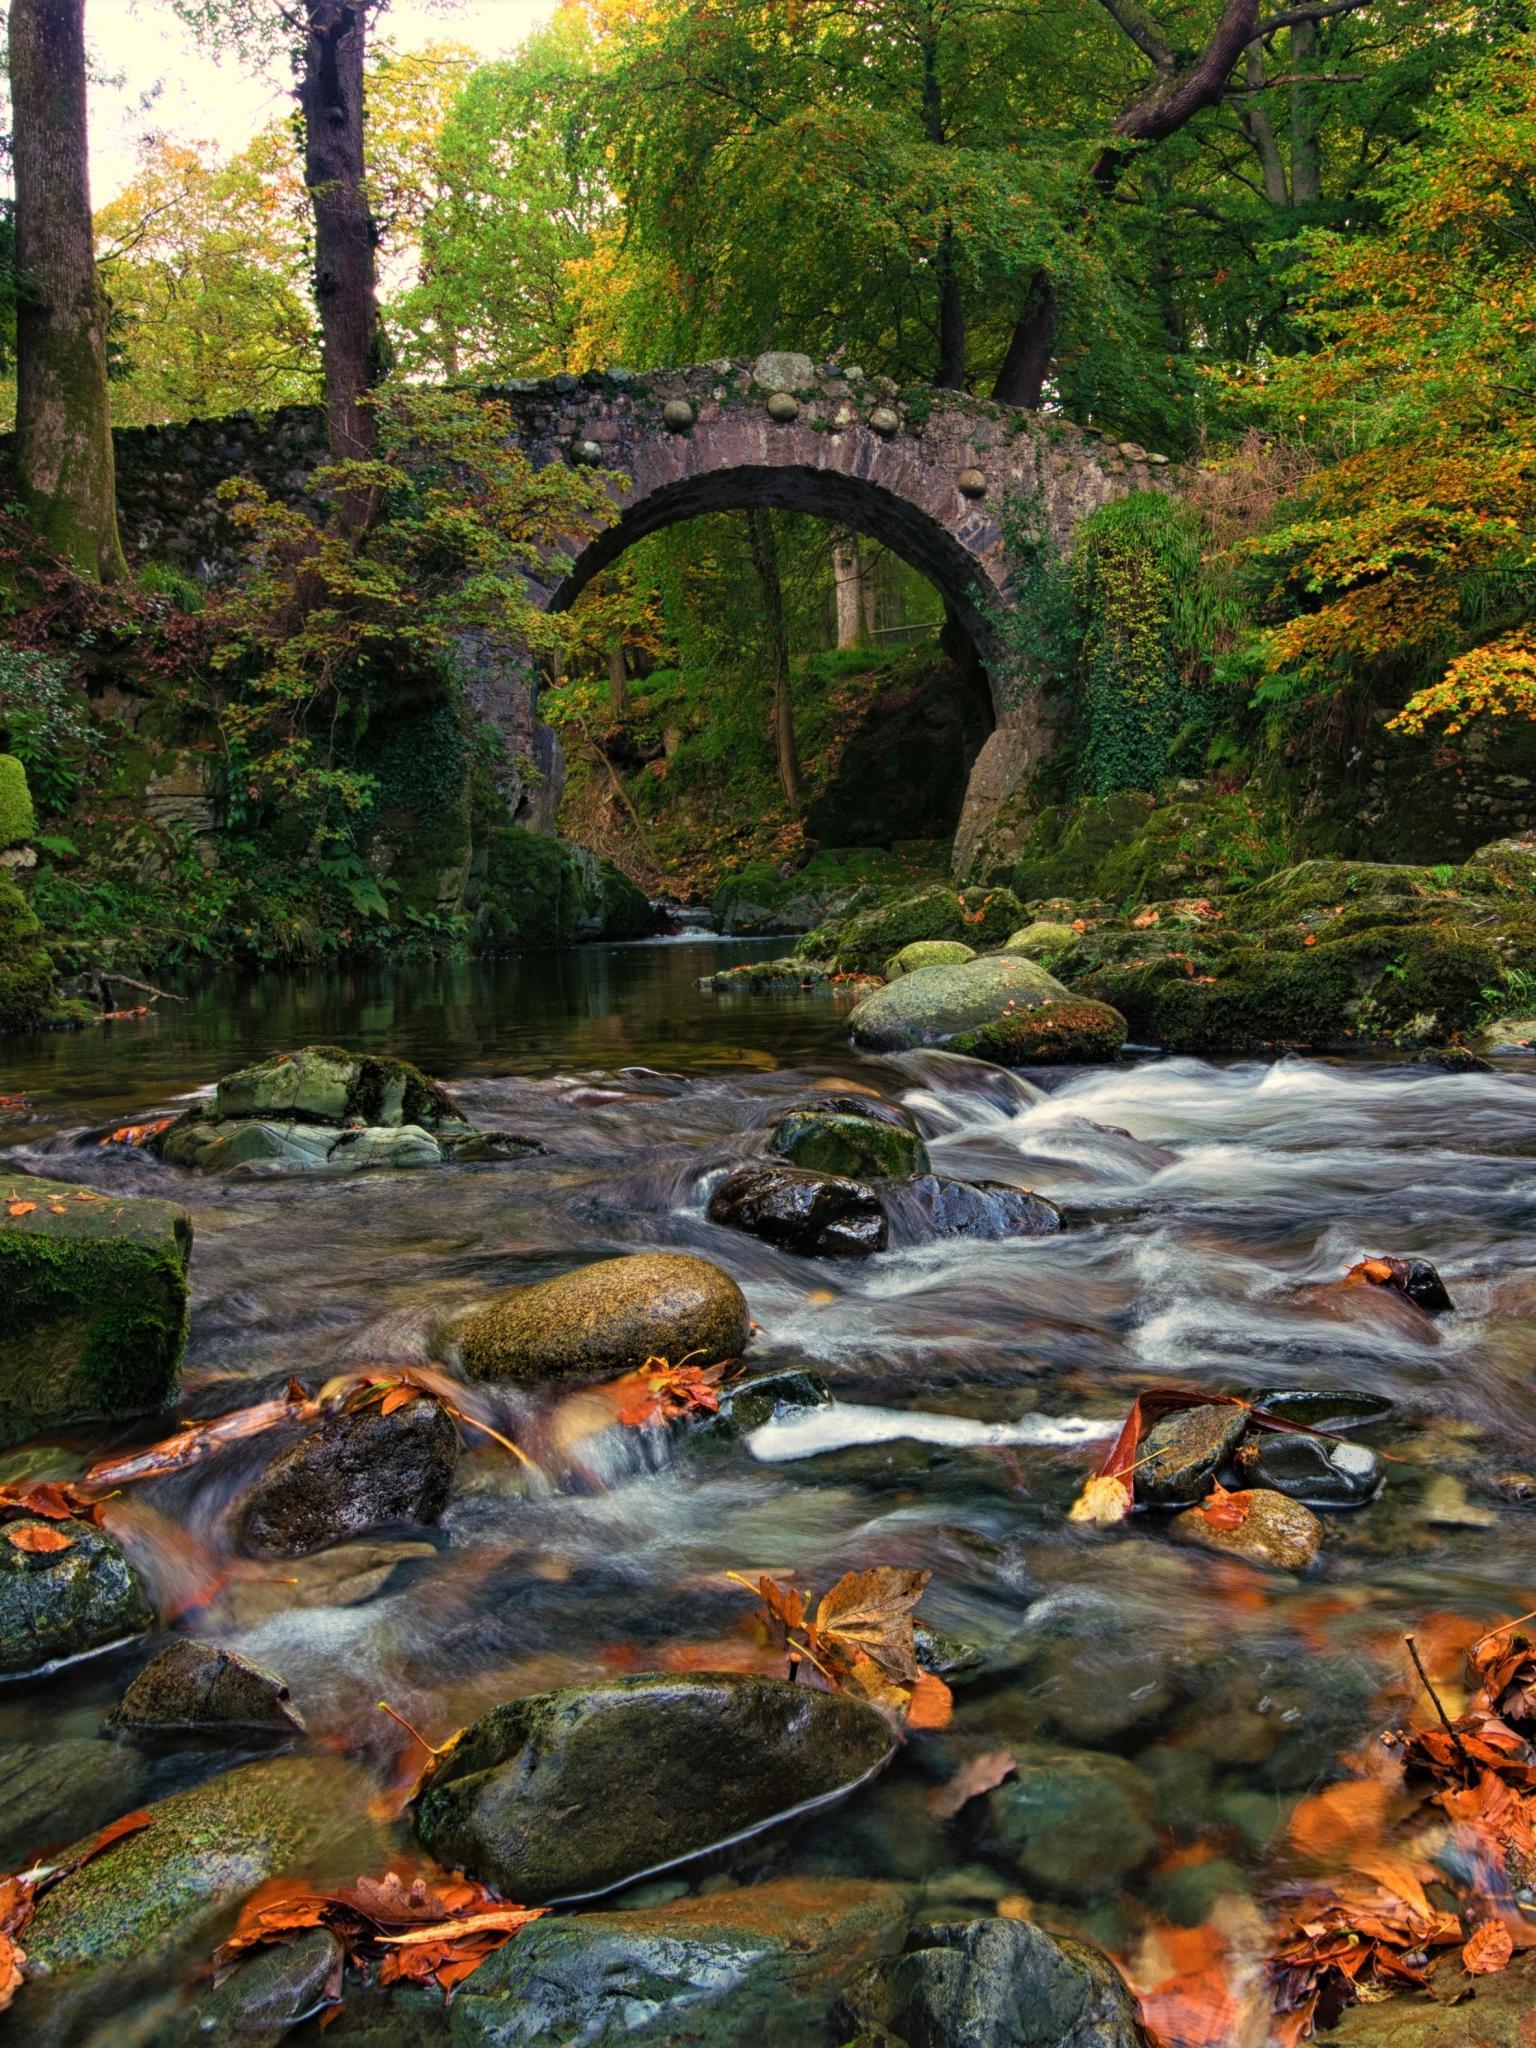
(1416, 1278)
(357, 1471)
(1453, 1059)
(1181, 1455)
(943, 1655)
(993, 1984)
(1333, 1409)
(55, 1792)
(764, 1963)
(989, 1209)
(195, 1687)
(1312, 1470)
(59, 1604)
(818, 1214)
(749, 1404)
(1074, 1822)
(265, 1998)
(567, 1795)
(867, 1106)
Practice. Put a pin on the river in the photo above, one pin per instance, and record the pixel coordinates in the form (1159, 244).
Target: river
(1206, 1206)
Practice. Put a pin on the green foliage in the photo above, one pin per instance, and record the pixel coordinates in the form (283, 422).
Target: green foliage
(46, 720)
(162, 579)
(27, 996)
(18, 821)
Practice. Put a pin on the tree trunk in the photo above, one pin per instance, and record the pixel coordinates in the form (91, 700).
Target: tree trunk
(848, 580)
(765, 559)
(1021, 380)
(1261, 133)
(63, 415)
(618, 677)
(1306, 156)
(951, 376)
(331, 100)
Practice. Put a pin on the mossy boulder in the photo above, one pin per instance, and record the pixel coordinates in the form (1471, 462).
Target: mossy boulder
(626, 909)
(18, 821)
(324, 1084)
(1040, 940)
(928, 953)
(206, 1848)
(1072, 1031)
(198, 1687)
(565, 1795)
(857, 1147)
(937, 1004)
(866, 941)
(532, 896)
(55, 1604)
(95, 1288)
(606, 1319)
(28, 998)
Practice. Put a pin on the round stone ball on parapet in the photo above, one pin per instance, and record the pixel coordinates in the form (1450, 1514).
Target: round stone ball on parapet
(677, 415)
(782, 407)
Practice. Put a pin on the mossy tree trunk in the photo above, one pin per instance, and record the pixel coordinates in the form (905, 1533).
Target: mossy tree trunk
(765, 559)
(346, 235)
(63, 416)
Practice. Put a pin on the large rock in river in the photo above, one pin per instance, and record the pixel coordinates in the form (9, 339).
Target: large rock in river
(95, 1294)
(762, 1964)
(194, 1686)
(59, 1603)
(939, 1003)
(859, 1146)
(1070, 1031)
(606, 1319)
(993, 1984)
(359, 1470)
(566, 1795)
(820, 1215)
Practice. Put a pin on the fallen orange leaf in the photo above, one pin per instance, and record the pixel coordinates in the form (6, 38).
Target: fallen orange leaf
(981, 1774)
(39, 1539)
(1489, 1949)
(932, 1704)
(19, 1208)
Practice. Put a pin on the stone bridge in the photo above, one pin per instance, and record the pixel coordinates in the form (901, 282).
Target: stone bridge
(924, 471)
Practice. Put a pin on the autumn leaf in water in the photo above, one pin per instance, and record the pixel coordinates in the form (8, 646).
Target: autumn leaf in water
(54, 1500)
(932, 1704)
(1489, 1949)
(19, 1208)
(1104, 1501)
(660, 1392)
(869, 1614)
(1223, 1510)
(39, 1539)
(981, 1774)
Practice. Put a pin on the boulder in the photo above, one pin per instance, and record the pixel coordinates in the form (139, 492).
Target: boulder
(927, 953)
(54, 1792)
(29, 998)
(1312, 1470)
(1040, 937)
(993, 1984)
(973, 917)
(1074, 1822)
(95, 1293)
(989, 1209)
(1334, 1409)
(193, 1686)
(566, 1795)
(817, 1214)
(324, 1084)
(1178, 1459)
(207, 1847)
(832, 1102)
(1275, 1531)
(937, 1004)
(858, 1147)
(763, 1963)
(749, 1404)
(358, 1470)
(1071, 1031)
(262, 2000)
(56, 1605)
(606, 1319)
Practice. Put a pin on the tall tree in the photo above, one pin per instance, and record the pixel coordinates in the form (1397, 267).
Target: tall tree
(63, 417)
(765, 559)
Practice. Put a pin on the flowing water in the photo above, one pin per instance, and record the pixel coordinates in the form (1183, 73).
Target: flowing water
(1206, 1208)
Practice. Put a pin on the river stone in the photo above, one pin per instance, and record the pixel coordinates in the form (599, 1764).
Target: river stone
(569, 1794)
(196, 1686)
(927, 953)
(1312, 1470)
(989, 1209)
(59, 1604)
(761, 1964)
(1069, 1031)
(264, 1998)
(856, 1147)
(817, 1214)
(1276, 1531)
(358, 1470)
(54, 1792)
(751, 1403)
(869, 1107)
(207, 1847)
(1041, 937)
(606, 1319)
(993, 1984)
(324, 1084)
(1179, 1458)
(1075, 1822)
(95, 1294)
(1332, 1409)
(253, 1144)
(937, 1003)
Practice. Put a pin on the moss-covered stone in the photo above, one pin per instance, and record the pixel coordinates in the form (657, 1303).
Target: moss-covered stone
(939, 1003)
(1041, 939)
(869, 939)
(59, 1604)
(606, 1319)
(857, 1147)
(928, 953)
(28, 998)
(95, 1288)
(532, 898)
(566, 1794)
(18, 821)
(1074, 1822)
(1072, 1031)
(325, 1085)
(626, 909)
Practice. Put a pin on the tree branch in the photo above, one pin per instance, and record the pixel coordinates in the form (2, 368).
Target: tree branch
(1322, 12)
(1145, 31)
(1174, 98)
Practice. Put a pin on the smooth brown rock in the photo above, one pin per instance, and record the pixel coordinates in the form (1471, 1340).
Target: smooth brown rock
(194, 1685)
(1276, 1531)
(606, 1319)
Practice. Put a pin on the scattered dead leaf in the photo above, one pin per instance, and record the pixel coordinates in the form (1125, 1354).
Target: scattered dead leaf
(980, 1774)
(1489, 1949)
(38, 1540)
(19, 1208)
